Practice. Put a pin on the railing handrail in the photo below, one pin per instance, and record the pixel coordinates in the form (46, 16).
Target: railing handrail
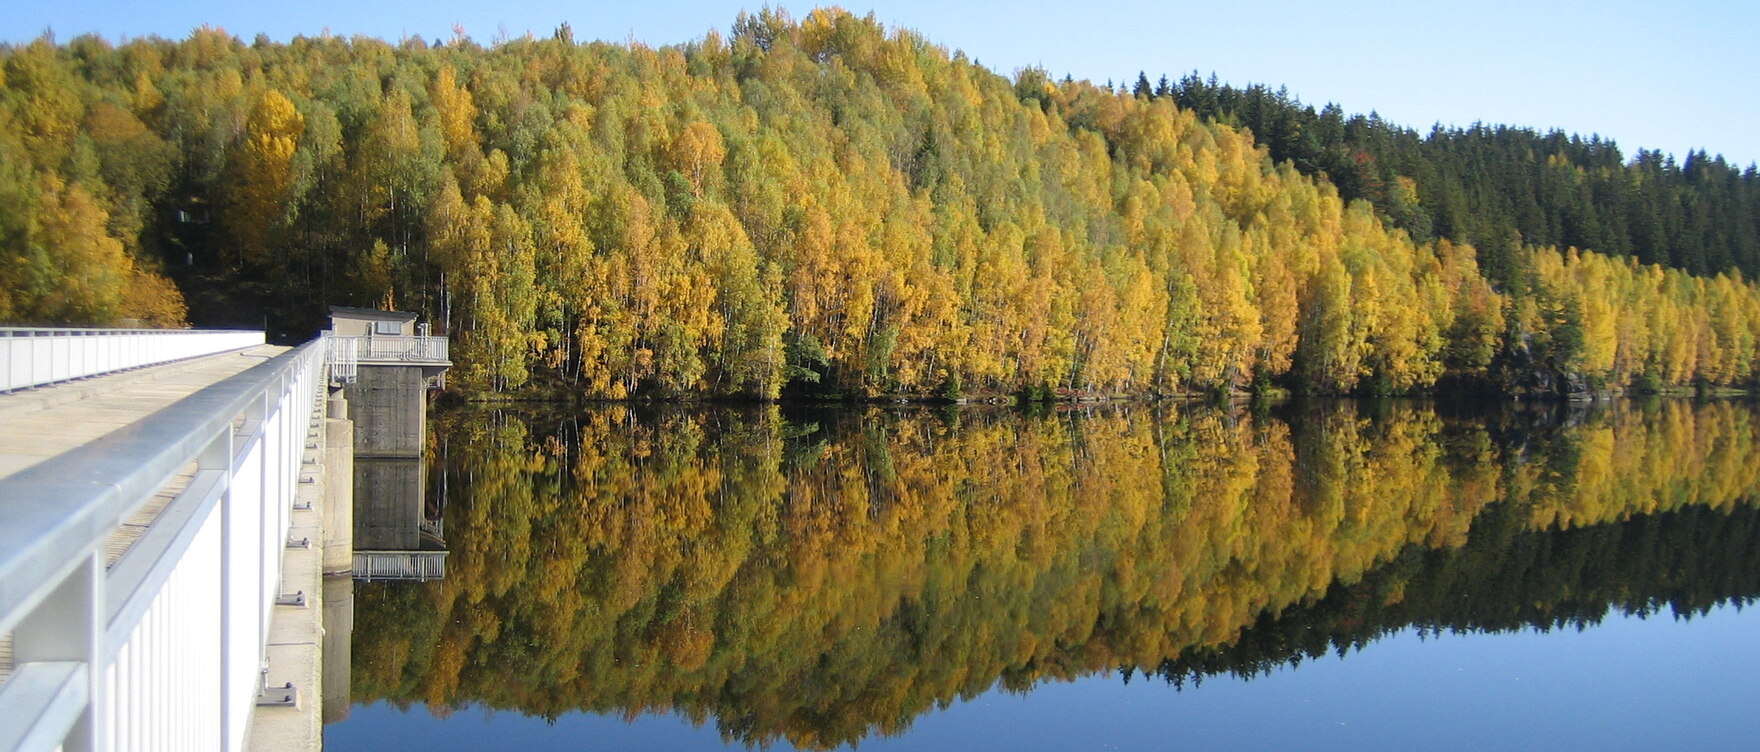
(74, 501)
(36, 356)
(341, 357)
(394, 565)
(58, 514)
(412, 347)
(48, 331)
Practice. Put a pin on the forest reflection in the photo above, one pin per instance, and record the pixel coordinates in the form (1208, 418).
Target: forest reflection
(821, 577)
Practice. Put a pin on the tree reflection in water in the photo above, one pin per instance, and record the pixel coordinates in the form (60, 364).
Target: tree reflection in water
(826, 576)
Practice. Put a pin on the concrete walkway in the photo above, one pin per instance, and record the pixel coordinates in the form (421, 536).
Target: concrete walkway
(37, 424)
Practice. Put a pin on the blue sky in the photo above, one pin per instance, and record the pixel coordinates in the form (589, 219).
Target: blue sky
(1661, 75)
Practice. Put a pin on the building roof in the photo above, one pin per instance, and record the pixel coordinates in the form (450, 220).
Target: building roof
(371, 313)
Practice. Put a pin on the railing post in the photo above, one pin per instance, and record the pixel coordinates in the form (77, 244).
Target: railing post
(69, 626)
(218, 456)
(267, 519)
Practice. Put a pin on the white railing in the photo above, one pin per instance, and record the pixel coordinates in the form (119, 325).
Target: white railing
(163, 650)
(416, 566)
(33, 357)
(394, 348)
(344, 357)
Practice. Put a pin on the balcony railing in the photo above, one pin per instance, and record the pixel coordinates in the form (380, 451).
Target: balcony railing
(346, 353)
(340, 353)
(394, 348)
(411, 566)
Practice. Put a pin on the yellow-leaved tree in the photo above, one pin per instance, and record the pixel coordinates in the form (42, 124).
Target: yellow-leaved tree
(263, 176)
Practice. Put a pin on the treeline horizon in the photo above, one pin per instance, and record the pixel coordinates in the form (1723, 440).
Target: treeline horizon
(1685, 562)
(826, 207)
(1499, 186)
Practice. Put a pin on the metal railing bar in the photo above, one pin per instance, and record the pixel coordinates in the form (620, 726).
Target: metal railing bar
(64, 508)
(349, 349)
(40, 704)
(52, 331)
(38, 357)
(251, 436)
(141, 572)
(101, 638)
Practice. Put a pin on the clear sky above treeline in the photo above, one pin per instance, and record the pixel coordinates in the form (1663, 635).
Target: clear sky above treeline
(1648, 73)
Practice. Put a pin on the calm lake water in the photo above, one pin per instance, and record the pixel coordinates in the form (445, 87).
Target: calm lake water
(1334, 576)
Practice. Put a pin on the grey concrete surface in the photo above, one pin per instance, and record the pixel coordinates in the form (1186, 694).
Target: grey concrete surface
(389, 406)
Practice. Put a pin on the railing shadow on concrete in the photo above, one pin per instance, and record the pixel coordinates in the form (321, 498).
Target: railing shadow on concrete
(36, 356)
(164, 649)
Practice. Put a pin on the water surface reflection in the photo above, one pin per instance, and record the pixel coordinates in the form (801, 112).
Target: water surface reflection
(825, 577)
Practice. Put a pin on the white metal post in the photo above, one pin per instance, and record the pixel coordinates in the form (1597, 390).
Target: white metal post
(67, 627)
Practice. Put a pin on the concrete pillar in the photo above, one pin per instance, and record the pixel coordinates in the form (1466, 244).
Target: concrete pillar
(338, 497)
(390, 408)
(337, 405)
(389, 494)
(338, 586)
(338, 646)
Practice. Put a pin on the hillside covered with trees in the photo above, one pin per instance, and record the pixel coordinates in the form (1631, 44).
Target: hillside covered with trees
(1497, 186)
(825, 206)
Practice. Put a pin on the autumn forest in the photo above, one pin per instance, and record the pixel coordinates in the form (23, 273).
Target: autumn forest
(826, 207)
